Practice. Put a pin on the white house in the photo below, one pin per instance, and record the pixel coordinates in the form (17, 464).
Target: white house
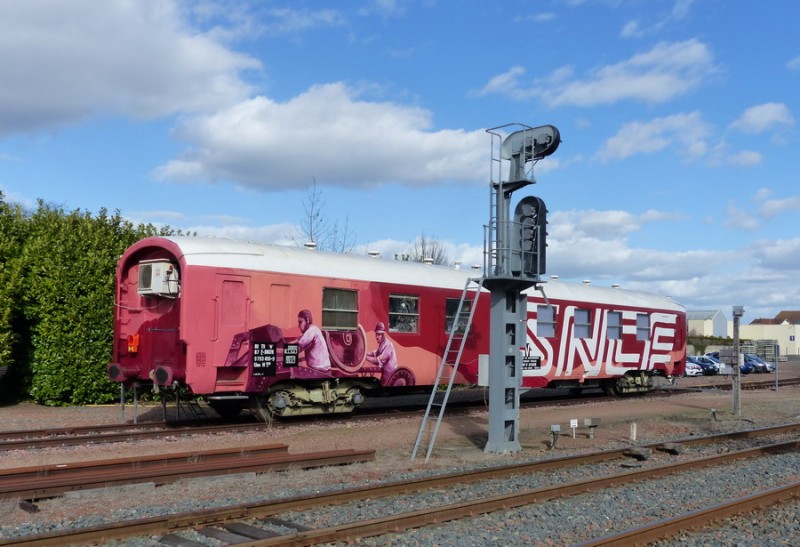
(707, 323)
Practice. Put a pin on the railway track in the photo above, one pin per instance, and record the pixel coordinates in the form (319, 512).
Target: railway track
(250, 521)
(31, 483)
(72, 436)
(754, 384)
(109, 433)
(667, 528)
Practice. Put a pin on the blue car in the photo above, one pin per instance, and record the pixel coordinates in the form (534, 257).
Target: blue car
(759, 365)
(745, 368)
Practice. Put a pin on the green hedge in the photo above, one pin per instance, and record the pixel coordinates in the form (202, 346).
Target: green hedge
(57, 274)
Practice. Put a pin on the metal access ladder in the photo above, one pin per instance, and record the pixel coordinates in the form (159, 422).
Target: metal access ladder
(450, 361)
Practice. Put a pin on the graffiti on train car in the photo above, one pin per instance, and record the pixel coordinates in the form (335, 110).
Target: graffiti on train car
(599, 341)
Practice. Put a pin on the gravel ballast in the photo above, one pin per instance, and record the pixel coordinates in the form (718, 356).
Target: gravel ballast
(459, 446)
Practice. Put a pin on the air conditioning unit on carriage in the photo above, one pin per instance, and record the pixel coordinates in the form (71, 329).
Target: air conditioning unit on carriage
(158, 278)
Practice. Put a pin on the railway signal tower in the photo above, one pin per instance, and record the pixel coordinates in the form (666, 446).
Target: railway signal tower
(514, 260)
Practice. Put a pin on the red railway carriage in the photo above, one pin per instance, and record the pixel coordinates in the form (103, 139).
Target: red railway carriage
(294, 331)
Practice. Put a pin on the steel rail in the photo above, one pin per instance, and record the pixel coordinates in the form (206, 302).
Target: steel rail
(424, 517)
(127, 426)
(137, 462)
(666, 528)
(126, 434)
(31, 486)
(753, 384)
(168, 523)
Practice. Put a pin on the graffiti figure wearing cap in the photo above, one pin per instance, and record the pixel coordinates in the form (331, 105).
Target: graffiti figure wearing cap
(383, 355)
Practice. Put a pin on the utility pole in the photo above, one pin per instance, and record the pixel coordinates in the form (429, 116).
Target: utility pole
(738, 311)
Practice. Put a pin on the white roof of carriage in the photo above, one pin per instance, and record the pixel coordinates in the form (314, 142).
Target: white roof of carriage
(237, 254)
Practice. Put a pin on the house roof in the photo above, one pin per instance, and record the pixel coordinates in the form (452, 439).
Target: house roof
(701, 315)
(791, 317)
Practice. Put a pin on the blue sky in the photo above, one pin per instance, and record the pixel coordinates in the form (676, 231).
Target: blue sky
(677, 173)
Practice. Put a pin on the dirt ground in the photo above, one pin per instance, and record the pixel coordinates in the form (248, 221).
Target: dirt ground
(461, 437)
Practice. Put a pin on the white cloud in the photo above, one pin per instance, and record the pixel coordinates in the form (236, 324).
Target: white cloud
(635, 29)
(25, 202)
(739, 219)
(277, 234)
(762, 194)
(794, 64)
(290, 21)
(782, 255)
(667, 71)
(82, 58)
(632, 29)
(504, 83)
(773, 207)
(689, 132)
(326, 134)
(745, 158)
(764, 117)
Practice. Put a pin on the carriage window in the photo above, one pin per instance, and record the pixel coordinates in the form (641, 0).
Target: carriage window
(545, 321)
(614, 329)
(403, 313)
(339, 309)
(583, 324)
(451, 308)
(642, 326)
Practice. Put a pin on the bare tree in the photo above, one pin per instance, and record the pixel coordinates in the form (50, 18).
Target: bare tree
(315, 226)
(425, 247)
(342, 240)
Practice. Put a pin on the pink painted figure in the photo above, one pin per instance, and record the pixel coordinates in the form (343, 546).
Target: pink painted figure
(313, 343)
(384, 355)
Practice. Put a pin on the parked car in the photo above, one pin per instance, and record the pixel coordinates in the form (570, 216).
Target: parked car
(758, 363)
(692, 369)
(746, 368)
(709, 366)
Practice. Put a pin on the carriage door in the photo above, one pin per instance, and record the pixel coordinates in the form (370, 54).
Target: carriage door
(232, 305)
